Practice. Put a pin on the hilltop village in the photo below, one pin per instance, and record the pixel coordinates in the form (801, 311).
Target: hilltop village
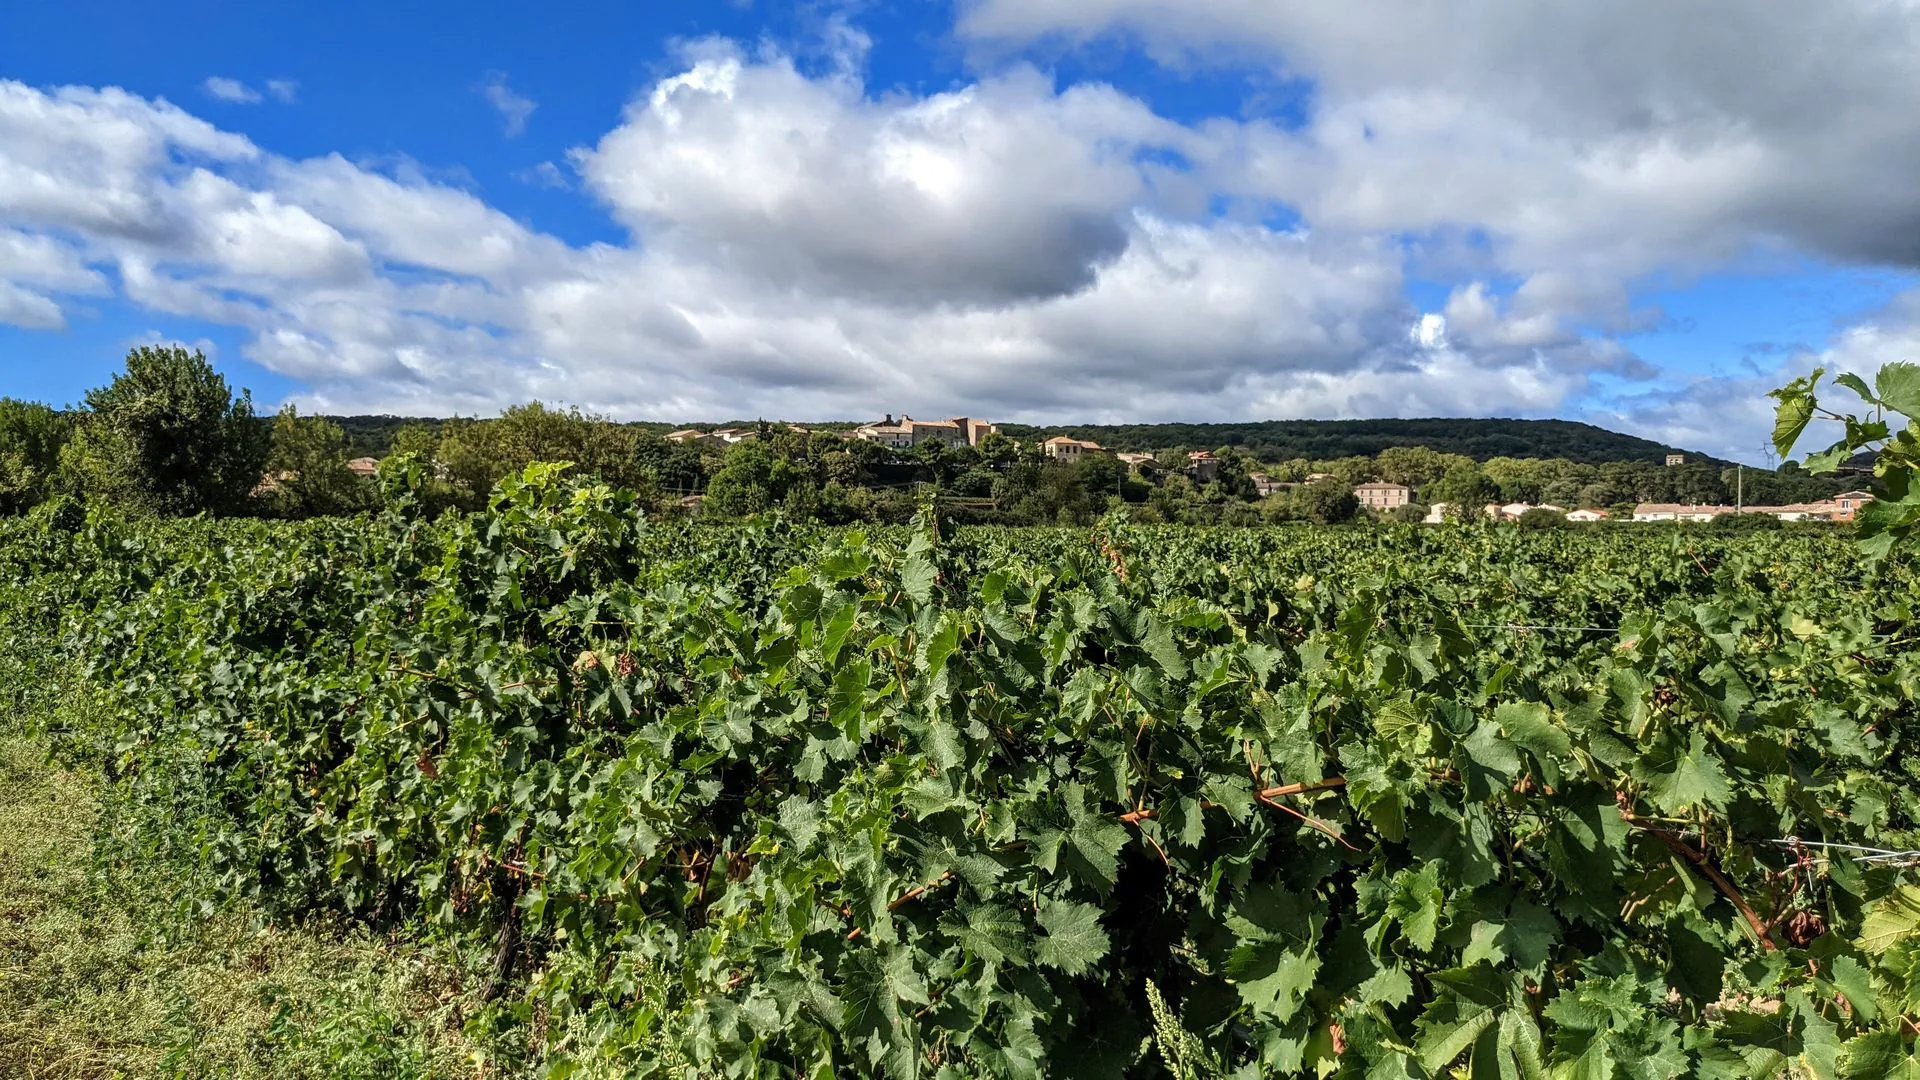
(875, 470)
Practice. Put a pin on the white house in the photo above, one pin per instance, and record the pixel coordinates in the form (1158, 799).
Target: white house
(1586, 515)
(1679, 512)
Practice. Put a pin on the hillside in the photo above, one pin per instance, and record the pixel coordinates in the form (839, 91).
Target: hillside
(1275, 440)
(1270, 440)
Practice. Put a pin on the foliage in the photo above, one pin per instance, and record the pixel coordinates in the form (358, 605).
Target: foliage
(31, 437)
(1277, 440)
(1894, 514)
(167, 437)
(780, 801)
(307, 470)
(1326, 502)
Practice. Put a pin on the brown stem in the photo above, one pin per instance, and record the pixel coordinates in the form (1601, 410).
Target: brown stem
(914, 894)
(1699, 860)
(1137, 816)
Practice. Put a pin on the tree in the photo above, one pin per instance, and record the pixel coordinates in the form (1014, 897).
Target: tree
(1234, 481)
(1540, 517)
(1463, 486)
(166, 436)
(1100, 473)
(1519, 479)
(307, 469)
(1328, 502)
(416, 439)
(31, 437)
(1414, 466)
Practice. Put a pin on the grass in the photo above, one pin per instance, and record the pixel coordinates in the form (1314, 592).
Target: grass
(101, 976)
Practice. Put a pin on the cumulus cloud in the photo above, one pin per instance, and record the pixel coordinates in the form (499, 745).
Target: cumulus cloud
(1584, 148)
(513, 108)
(1621, 137)
(800, 246)
(999, 192)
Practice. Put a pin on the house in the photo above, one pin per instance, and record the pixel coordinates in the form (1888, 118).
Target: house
(1586, 515)
(1814, 511)
(1437, 513)
(908, 432)
(273, 481)
(1848, 503)
(1383, 496)
(1681, 512)
(1512, 511)
(363, 467)
(941, 431)
(694, 436)
(1264, 485)
(1316, 477)
(1674, 460)
(1062, 448)
(898, 435)
(729, 436)
(973, 430)
(1143, 465)
(1203, 466)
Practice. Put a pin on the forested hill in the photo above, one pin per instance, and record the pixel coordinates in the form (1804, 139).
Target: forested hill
(1269, 440)
(1321, 440)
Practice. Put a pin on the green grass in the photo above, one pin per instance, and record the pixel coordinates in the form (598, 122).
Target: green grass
(102, 976)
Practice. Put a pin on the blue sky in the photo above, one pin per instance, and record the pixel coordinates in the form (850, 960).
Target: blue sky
(1058, 209)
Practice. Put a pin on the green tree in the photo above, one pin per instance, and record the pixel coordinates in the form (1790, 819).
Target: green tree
(756, 477)
(166, 436)
(31, 437)
(419, 440)
(307, 470)
(1234, 482)
(1519, 479)
(1328, 502)
(1414, 466)
(1464, 487)
(1541, 518)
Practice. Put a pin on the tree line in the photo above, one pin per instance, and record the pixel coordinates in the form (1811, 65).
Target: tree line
(168, 437)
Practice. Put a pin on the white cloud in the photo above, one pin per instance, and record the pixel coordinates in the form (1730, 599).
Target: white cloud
(231, 91)
(799, 246)
(546, 175)
(1001, 191)
(285, 91)
(1620, 137)
(29, 310)
(1579, 149)
(513, 108)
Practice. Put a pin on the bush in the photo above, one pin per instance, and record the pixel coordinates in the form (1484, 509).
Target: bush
(1746, 523)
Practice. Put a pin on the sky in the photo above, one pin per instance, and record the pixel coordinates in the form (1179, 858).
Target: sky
(1639, 214)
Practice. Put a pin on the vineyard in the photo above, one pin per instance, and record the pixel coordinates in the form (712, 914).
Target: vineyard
(778, 801)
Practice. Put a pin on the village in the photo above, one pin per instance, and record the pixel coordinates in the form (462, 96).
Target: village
(1203, 467)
